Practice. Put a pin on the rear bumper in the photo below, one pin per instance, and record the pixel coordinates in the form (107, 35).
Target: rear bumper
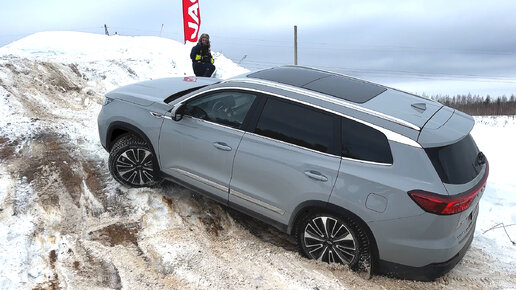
(426, 273)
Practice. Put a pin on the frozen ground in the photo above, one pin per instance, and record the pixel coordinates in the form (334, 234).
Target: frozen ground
(65, 223)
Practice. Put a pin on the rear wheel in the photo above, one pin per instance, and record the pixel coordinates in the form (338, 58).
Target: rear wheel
(131, 162)
(332, 239)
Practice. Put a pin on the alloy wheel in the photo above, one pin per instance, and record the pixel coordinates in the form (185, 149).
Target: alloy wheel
(135, 166)
(329, 240)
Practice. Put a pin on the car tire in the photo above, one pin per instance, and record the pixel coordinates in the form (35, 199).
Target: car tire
(132, 162)
(333, 239)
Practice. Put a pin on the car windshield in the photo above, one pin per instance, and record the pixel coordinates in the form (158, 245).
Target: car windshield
(182, 93)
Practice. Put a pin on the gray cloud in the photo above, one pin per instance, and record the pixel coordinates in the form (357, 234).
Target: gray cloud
(399, 42)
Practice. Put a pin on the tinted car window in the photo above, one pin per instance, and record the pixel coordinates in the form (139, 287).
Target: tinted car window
(346, 88)
(457, 163)
(362, 142)
(332, 84)
(298, 124)
(291, 76)
(226, 108)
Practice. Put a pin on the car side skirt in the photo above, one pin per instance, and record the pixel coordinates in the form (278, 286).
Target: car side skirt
(281, 227)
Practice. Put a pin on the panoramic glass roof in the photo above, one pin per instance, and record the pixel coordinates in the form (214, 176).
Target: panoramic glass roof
(339, 86)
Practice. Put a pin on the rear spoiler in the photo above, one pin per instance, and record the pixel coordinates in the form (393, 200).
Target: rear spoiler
(446, 126)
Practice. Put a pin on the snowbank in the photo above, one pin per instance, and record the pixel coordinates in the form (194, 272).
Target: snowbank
(117, 60)
(65, 223)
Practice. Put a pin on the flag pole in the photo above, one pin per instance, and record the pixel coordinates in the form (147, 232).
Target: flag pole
(295, 44)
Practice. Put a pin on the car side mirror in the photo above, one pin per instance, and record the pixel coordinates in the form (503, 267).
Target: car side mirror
(177, 112)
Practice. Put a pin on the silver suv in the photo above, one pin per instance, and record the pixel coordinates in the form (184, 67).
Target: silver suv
(359, 173)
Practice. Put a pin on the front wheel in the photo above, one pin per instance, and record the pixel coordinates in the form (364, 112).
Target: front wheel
(131, 162)
(330, 238)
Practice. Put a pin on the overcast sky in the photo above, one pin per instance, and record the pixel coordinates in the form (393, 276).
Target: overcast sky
(445, 47)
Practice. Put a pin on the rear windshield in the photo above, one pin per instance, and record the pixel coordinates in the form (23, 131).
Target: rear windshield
(457, 163)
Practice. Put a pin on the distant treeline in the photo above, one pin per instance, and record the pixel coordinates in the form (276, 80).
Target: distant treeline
(479, 106)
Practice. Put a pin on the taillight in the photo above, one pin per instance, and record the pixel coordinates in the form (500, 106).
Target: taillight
(444, 204)
(441, 204)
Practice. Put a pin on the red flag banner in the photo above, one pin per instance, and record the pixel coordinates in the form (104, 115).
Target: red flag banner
(191, 20)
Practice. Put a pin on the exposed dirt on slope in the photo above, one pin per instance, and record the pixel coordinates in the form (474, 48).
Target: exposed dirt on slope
(74, 227)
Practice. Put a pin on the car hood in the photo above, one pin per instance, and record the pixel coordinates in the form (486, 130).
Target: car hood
(147, 92)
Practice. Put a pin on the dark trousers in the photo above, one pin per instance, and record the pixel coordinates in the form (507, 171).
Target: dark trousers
(203, 69)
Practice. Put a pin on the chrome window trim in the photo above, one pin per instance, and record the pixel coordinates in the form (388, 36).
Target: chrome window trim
(293, 145)
(319, 152)
(326, 98)
(367, 162)
(391, 135)
(213, 123)
(257, 202)
(201, 179)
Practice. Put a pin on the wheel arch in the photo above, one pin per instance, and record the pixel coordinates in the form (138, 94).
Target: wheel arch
(117, 129)
(316, 205)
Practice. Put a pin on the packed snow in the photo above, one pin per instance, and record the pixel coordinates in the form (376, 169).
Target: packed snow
(65, 223)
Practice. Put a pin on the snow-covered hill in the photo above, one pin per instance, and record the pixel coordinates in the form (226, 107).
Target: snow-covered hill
(65, 223)
(111, 61)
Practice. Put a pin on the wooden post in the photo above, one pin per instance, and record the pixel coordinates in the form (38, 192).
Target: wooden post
(295, 44)
(161, 30)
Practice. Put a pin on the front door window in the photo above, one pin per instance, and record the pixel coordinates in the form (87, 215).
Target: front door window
(227, 108)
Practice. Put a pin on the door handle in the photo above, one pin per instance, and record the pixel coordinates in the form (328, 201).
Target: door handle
(316, 175)
(222, 146)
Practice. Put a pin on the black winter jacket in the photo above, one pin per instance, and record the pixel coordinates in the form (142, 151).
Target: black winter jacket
(201, 53)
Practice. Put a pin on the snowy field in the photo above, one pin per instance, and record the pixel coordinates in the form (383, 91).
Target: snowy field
(65, 223)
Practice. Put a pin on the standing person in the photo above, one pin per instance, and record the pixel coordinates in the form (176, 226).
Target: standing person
(202, 61)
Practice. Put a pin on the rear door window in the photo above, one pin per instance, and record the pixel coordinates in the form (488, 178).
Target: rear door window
(362, 142)
(299, 124)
